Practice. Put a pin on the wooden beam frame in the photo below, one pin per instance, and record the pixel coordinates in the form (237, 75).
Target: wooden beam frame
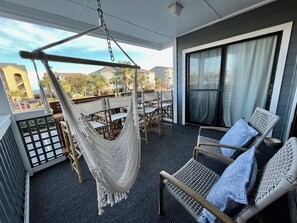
(56, 58)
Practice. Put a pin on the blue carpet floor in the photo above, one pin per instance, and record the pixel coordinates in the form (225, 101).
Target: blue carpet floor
(57, 196)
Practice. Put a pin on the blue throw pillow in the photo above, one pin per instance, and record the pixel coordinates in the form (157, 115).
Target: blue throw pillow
(231, 190)
(238, 135)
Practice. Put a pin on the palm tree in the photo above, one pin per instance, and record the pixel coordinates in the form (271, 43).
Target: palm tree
(46, 82)
(141, 79)
(66, 86)
(124, 73)
(115, 81)
(100, 83)
(16, 95)
(158, 82)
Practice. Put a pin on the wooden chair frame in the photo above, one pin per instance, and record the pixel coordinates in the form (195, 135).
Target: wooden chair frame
(167, 111)
(115, 119)
(73, 152)
(150, 114)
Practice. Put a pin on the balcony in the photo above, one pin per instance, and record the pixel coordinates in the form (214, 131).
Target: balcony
(56, 194)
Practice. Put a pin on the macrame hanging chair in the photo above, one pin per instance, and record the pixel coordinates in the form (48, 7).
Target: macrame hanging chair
(113, 164)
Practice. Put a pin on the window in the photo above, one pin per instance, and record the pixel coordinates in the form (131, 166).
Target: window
(229, 81)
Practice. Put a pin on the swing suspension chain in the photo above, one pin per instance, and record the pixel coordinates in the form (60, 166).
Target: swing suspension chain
(103, 25)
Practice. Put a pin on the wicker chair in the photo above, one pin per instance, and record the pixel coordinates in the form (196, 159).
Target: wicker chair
(262, 120)
(191, 184)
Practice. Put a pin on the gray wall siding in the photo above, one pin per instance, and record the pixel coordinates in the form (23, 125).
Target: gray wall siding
(269, 15)
(12, 180)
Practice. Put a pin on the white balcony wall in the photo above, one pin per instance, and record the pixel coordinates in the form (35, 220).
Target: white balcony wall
(6, 112)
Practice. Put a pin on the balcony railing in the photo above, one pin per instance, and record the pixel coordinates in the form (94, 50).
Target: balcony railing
(13, 177)
(41, 139)
(19, 81)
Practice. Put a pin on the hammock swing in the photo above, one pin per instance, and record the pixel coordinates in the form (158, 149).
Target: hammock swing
(113, 164)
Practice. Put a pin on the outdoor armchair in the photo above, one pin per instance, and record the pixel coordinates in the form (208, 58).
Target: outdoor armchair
(193, 182)
(262, 121)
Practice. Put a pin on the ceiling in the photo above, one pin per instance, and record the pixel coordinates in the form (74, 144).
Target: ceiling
(145, 23)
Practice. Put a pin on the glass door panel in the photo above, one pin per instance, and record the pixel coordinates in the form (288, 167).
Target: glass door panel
(203, 86)
(247, 77)
(227, 83)
(202, 106)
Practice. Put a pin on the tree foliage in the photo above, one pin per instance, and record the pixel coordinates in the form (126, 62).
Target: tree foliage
(124, 74)
(46, 83)
(16, 95)
(99, 83)
(66, 86)
(78, 83)
(158, 82)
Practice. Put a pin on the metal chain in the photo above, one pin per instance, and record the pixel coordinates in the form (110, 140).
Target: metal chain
(103, 25)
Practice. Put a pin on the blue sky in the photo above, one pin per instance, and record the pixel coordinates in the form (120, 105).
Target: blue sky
(16, 36)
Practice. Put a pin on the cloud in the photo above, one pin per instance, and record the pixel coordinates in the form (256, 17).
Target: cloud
(16, 35)
(156, 58)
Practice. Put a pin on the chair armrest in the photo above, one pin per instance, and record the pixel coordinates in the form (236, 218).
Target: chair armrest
(222, 129)
(223, 145)
(198, 198)
(221, 157)
(214, 128)
(226, 146)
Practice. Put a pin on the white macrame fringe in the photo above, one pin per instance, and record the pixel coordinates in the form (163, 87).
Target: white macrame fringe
(105, 198)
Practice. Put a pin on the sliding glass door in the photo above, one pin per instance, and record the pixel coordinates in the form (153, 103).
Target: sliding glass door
(203, 85)
(248, 74)
(230, 81)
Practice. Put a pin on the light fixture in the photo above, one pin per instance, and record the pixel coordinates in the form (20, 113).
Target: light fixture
(175, 9)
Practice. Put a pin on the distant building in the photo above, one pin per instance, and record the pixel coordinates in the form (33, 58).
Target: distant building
(149, 82)
(165, 74)
(109, 73)
(15, 77)
(61, 76)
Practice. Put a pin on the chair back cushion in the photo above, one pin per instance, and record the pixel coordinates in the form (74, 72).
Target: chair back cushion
(166, 95)
(150, 96)
(231, 190)
(240, 135)
(90, 107)
(118, 102)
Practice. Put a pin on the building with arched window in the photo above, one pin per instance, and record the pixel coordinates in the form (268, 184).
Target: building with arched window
(15, 78)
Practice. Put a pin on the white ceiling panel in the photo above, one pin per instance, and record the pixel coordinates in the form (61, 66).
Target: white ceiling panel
(67, 9)
(146, 23)
(195, 14)
(229, 7)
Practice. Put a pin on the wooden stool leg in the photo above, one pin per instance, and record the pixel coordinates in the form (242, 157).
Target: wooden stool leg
(73, 153)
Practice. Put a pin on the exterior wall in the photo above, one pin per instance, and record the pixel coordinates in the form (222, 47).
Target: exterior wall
(273, 14)
(9, 72)
(108, 77)
(108, 73)
(149, 82)
(151, 79)
(166, 75)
